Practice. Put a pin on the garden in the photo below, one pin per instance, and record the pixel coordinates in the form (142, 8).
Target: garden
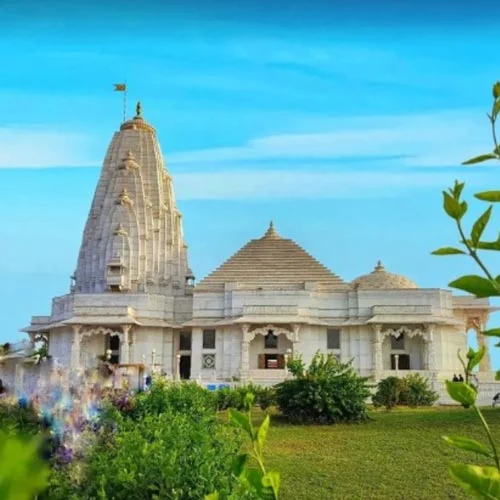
(178, 440)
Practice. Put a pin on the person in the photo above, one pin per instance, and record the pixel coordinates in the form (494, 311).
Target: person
(3, 390)
(455, 378)
(460, 378)
(496, 399)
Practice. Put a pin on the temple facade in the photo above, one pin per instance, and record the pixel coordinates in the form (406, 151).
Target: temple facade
(133, 298)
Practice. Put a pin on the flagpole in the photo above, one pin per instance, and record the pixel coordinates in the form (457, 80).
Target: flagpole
(125, 103)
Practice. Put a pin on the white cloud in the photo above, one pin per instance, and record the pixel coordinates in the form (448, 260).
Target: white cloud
(307, 184)
(43, 148)
(440, 139)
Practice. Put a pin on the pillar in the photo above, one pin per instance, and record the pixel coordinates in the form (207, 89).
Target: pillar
(196, 352)
(75, 348)
(430, 353)
(377, 365)
(396, 364)
(295, 339)
(245, 353)
(125, 345)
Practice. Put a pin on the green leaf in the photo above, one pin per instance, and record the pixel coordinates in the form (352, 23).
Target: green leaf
(477, 285)
(272, 480)
(249, 399)
(491, 196)
(448, 251)
(480, 159)
(241, 420)
(492, 332)
(239, 464)
(497, 375)
(468, 444)
(19, 460)
(212, 496)
(475, 357)
(254, 478)
(262, 433)
(457, 189)
(461, 392)
(480, 225)
(496, 109)
(451, 205)
(483, 482)
(496, 90)
(489, 245)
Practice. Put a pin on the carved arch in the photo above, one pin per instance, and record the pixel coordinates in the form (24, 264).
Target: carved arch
(263, 330)
(101, 330)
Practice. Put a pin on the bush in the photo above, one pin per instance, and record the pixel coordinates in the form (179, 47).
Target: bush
(326, 392)
(419, 392)
(179, 397)
(412, 390)
(234, 397)
(166, 455)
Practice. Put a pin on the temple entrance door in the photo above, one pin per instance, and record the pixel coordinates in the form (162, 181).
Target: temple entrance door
(113, 344)
(185, 367)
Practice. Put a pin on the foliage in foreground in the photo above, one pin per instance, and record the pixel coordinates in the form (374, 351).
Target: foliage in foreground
(326, 392)
(165, 443)
(22, 472)
(483, 482)
(412, 390)
(256, 482)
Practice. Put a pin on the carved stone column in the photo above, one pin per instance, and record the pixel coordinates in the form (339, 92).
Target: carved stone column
(295, 338)
(430, 352)
(245, 353)
(377, 364)
(75, 348)
(125, 345)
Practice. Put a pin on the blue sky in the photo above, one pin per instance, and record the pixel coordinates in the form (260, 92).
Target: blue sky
(342, 124)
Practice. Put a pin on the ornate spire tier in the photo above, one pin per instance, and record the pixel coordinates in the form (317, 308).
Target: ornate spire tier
(133, 237)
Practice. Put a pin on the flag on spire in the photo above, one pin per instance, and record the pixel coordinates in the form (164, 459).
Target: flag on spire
(120, 87)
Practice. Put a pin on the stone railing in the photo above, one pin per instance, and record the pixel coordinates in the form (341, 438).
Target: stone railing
(270, 310)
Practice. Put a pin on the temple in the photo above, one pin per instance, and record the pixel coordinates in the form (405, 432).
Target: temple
(133, 298)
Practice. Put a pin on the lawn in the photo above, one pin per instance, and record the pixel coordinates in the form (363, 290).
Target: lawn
(397, 455)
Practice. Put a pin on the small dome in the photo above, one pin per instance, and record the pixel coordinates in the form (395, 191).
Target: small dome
(380, 279)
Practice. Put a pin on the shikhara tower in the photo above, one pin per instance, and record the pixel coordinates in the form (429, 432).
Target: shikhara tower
(132, 285)
(133, 238)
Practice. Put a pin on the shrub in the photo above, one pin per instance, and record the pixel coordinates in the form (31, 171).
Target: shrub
(326, 392)
(160, 455)
(388, 392)
(419, 392)
(234, 397)
(179, 397)
(412, 390)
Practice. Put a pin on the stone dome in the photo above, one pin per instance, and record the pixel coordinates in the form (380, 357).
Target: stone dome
(380, 279)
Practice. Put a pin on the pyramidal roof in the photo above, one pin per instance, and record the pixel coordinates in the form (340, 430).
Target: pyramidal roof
(272, 261)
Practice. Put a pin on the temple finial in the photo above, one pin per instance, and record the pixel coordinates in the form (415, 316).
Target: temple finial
(271, 232)
(379, 266)
(138, 109)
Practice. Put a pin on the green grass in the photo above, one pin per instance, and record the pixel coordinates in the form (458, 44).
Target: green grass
(397, 455)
